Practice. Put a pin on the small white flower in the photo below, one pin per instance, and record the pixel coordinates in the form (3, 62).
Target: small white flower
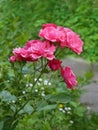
(40, 79)
(24, 92)
(30, 84)
(27, 85)
(49, 83)
(71, 121)
(66, 108)
(35, 79)
(13, 101)
(60, 109)
(19, 99)
(43, 94)
(69, 108)
(36, 90)
(45, 82)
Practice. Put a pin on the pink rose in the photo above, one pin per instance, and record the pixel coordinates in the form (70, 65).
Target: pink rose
(54, 64)
(69, 77)
(34, 49)
(42, 49)
(49, 33)
(64, 36)
(12, 59)
(72, 41)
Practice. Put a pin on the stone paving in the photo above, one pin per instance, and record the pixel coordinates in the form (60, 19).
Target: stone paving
(80, 67)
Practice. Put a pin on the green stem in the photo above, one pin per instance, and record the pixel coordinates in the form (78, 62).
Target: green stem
(31, 90)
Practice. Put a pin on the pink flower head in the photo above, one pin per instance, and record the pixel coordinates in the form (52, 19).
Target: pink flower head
(12, 59)
(34, 49)
(24, 54)
(41, 49)
(64, 36)
(54, 64)
(72, 41)
(69, 77)
(49, 33)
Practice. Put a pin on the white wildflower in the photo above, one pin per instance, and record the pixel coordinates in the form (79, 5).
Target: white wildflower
(36, 90)
(60, 109)
(40, 79)
(45, 82)
(30, 84)
(66, 108)
(13, 101)
(23, 92)
(49, 83)
(43, 94)
(27, 85)
(71, 121)
(35, 79)
(69, 108)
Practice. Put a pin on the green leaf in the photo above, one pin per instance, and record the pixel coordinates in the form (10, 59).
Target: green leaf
(61, 97)
(41, 104)
(27, 109)
(6, 96)
(48, 107)
(80, 111)
(74, 104)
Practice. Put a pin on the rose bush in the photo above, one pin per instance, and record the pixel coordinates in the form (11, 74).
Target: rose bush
(54, 37)
(25, 93)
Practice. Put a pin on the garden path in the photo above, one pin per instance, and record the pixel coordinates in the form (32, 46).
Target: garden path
(80, 67)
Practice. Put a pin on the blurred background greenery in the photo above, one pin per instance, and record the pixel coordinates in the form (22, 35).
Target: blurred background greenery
(20, 21)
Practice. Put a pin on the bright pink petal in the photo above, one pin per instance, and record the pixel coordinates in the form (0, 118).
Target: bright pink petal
(69, 77)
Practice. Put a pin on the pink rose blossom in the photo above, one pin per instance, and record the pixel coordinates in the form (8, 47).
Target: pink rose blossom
(54, 64)
(34, 49)
(41, 49)
(64, 36)
(72, 41)
(12, 59)
(49, 33)
(69, 77)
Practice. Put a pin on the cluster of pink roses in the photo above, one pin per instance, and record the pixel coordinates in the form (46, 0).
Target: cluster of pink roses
(54, 36)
